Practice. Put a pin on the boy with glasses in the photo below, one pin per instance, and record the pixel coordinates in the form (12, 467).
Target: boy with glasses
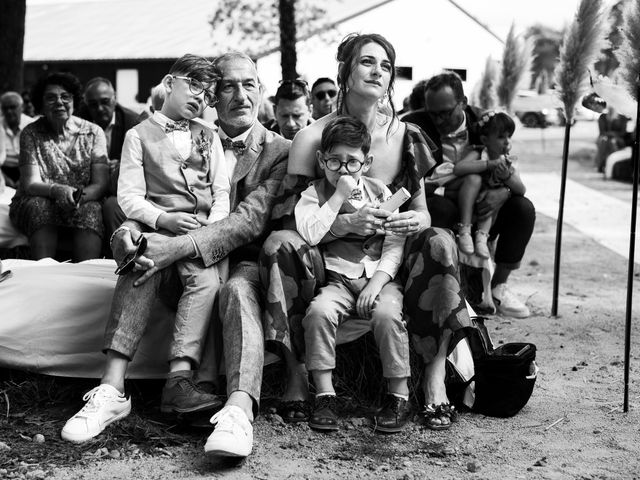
(360, 275)
(324, 96)
(173, 179)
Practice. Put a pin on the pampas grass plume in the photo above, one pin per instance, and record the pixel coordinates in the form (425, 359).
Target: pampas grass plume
(580, 47)
(487, 98)
(629, 52)
(516, 60)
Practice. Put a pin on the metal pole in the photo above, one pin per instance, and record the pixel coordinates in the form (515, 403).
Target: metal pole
(563, 185)
(632, 248)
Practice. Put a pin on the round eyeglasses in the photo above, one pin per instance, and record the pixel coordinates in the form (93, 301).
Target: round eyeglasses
(352, 165)
(52, 98)
(196, 87)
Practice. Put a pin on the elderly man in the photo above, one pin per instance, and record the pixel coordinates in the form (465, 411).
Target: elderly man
(102, 109)
(13, 122)
(257, 163)
(446, 118)
(324, 96)
(292, 108)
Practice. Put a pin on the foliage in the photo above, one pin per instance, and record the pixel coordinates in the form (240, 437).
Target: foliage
(486, 97)
(546, 50)
(629, 52)
(516, 61)
(252, 26)
(581, 44)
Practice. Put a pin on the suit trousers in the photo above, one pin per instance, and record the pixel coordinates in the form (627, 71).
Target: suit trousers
(240, 313)
(513, 226)
(131, 309)
(335, 304)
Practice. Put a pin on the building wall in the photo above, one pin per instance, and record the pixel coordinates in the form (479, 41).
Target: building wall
(149, 73)
(427, 36)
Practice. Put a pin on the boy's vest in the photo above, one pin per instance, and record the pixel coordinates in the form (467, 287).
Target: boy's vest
(353, 248)
(174, 184)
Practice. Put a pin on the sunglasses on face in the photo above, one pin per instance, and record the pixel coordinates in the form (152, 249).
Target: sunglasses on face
(196, 87)
(129, 261)
(352, 165)
(325, 93)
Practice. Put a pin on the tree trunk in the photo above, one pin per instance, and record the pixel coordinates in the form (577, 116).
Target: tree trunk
(288, 56)
(12, 18)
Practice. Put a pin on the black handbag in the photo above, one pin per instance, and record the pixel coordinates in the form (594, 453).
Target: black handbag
(504, 376)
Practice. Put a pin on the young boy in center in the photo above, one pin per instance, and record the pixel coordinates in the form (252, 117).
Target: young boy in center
(173, 179)
(360, 282)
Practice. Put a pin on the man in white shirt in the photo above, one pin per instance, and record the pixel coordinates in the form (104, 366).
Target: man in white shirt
(13, 122)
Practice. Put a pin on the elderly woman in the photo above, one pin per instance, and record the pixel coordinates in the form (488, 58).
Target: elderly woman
(63, 173)
(292, 271)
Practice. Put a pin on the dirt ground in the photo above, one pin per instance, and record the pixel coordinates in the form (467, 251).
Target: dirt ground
(572, 428)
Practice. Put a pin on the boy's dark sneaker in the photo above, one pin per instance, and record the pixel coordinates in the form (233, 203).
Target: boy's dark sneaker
(183, 395)
(393, 415)
(324, 415)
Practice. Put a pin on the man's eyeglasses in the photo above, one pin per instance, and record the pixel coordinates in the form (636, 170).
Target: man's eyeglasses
(352, 165)
(325, 93)
(52, 98)
(102, 102)
(196, 87)
(443, 114)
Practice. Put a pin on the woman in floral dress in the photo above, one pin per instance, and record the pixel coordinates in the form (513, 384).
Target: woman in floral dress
(292, 271)
(63, 174)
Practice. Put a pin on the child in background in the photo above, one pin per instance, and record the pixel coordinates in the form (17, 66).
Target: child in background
(173, 179)
(358, 283)
(493, 169)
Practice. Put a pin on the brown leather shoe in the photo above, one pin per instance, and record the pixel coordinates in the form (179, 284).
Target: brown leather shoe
(324, 415)
(393, 415)
(183, 395)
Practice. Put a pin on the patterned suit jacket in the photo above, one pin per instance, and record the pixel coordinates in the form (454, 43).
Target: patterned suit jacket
(254, 185)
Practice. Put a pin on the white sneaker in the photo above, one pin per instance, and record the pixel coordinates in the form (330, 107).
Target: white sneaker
(507, 303)
(233, 434)
(105, 404)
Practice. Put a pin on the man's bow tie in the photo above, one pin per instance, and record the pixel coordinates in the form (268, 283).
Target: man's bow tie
(238, 146)
(455, 137)
(180, 125)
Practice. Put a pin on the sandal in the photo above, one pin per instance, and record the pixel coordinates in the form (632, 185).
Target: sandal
(294, 411)
(439, 417)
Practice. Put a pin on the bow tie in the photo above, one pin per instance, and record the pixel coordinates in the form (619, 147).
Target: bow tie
(456, 137)
(238, 146)
(180, 125)
(356, 194)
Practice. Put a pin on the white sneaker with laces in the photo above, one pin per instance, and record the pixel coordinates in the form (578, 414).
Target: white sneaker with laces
(105, 405)
(507, 303)
(233, 434)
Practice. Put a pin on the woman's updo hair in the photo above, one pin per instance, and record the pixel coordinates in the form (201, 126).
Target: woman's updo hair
(348, 52)
(68, 81)
(495, 122)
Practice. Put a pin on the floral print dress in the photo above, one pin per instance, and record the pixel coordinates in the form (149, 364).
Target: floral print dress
(291, 271)
(65, 161)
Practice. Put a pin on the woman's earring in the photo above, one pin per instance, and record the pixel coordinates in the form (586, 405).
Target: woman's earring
(384, 99)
